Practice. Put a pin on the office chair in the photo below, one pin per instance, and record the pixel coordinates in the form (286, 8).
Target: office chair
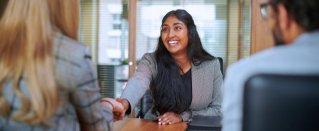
(146, 104)
(281, 103)
(221, 64)
(147, 101)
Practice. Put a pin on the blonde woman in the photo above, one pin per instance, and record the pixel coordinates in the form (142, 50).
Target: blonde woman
(47, 79)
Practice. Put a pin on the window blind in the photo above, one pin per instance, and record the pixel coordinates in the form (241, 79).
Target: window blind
(233, 34)
(89, 26)
(246, 28)
(238, 30)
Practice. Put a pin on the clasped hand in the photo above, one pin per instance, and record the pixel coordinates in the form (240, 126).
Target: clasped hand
(116, 107)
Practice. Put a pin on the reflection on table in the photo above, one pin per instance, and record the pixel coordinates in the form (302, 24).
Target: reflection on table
(136, 124)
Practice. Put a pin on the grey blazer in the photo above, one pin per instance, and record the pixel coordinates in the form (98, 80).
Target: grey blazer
(79, 93)
(207, 82)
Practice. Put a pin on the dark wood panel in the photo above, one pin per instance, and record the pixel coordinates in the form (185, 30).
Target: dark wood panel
(132, 41)
(3, 4)
(132, 37)
(261, 35)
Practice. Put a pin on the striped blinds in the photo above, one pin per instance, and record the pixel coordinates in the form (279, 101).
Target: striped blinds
(246, 28)
(89, 26)
(233, 31)
(106, 80)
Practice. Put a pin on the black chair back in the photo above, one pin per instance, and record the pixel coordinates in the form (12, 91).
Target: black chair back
(221, 64)
(146, 104)
(147, 101)
(281, 103)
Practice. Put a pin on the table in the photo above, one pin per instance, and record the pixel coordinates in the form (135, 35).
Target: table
(136, 124)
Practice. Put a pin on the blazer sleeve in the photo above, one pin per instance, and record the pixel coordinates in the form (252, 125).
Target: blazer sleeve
(214, 107)
(86, 100)
(139, 83)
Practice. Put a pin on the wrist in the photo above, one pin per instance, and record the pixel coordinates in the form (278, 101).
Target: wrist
(126, 104)
(181, 118)
(108, 104)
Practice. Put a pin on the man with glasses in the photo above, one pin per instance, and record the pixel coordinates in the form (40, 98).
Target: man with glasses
(295, 27)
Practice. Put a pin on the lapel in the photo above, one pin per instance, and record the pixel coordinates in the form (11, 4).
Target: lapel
(202, 82)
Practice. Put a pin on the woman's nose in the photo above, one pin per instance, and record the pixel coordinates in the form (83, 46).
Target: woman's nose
(171, 34)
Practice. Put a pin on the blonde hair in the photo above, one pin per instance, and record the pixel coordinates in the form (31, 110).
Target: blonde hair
(27, 29)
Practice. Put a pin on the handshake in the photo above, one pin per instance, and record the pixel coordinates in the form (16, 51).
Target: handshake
(117, 107)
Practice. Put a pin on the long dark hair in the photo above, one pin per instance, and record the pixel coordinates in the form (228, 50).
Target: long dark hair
(167, 88)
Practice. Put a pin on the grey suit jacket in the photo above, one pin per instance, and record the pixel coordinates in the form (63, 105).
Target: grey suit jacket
(207, 82)
(79, 93)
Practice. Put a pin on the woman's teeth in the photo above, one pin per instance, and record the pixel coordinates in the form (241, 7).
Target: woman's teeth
(172, 42)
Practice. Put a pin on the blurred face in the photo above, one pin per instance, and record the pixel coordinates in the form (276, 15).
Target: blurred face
(270, 15)
(175, 35)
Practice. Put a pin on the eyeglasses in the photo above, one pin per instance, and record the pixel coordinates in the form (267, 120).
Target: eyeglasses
(264, 12)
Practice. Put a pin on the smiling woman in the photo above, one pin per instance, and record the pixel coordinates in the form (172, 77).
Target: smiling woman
(183, 78)
(175, 35)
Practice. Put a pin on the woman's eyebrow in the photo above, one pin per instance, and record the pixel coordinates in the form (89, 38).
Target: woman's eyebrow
(164, 25)
(178, 23)
(173, 24)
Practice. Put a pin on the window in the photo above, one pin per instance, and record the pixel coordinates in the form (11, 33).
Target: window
(113, 32)
(113, 46)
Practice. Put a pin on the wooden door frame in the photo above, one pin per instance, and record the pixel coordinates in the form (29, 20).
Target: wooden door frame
(132, 42)
(261, 34)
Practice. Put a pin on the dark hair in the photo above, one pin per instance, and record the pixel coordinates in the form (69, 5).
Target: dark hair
(304, 12)
(167, 88)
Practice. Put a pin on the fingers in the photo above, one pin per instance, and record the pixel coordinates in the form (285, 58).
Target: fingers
(164, 119)
(117, 117)
(118, 100)
(160, 118)
(169, 118)
(172, 122)
(118, 108)
(167, 121)
(120, 114)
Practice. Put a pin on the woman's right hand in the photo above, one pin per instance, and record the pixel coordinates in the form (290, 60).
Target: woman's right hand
(125, 104)
(118, 109)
